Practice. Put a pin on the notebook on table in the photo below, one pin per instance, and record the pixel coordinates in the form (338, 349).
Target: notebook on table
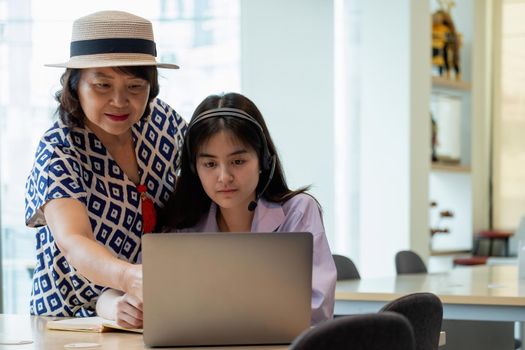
(226, 288)
(88, 324)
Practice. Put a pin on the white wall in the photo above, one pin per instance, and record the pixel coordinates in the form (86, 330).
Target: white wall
(395, 132)
(287, 60)
(287, 70)
(347, 119)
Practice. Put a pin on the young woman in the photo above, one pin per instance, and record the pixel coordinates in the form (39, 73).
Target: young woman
(102, 169)
(232, 181)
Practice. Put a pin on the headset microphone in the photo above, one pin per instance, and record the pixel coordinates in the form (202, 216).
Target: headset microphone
(253, 204)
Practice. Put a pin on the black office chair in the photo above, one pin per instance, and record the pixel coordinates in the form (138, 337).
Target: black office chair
(424, 311)
(346, 269)
(379, 331)
(408, 261)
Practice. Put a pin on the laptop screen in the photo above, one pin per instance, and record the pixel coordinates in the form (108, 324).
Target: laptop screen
(226, 288)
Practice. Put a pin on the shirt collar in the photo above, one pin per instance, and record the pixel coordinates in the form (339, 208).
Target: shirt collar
(210, 225)
(268, 217)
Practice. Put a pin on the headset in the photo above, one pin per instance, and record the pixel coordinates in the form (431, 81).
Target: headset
(268, 160)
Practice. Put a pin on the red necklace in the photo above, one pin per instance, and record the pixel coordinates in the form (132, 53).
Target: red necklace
(149, 214)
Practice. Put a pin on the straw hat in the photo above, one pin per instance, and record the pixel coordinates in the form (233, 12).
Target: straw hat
(112, 39)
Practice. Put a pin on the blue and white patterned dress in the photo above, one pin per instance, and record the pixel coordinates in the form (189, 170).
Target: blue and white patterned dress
(73, 163)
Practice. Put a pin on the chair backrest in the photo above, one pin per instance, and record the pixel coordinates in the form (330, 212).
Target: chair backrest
(408, 261)
(378, 331)
(346, 269)
(424, 311)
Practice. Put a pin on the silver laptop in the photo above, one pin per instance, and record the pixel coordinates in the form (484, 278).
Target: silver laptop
(226, 288)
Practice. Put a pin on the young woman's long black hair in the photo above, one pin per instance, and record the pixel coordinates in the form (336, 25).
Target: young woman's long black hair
(190, 202)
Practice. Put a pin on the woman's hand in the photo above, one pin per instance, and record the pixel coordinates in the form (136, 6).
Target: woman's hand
(128, 311)
(123, 308)
(132, 282)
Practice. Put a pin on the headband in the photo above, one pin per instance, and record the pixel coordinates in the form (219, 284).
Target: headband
(224, 112)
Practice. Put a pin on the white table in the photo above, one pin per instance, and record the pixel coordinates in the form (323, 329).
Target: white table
(481, 293)
(33, 328)
(491, 293)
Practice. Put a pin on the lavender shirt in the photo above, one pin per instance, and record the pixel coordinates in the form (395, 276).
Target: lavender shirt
(299, 214)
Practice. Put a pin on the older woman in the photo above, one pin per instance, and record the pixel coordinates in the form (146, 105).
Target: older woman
(103, 168)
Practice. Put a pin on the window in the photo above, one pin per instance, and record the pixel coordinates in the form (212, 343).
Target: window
(509, 124)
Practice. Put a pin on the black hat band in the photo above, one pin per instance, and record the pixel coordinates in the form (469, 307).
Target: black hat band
(118, 45)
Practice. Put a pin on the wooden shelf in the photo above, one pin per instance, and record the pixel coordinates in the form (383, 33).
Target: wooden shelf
(449, 252)
(437, 166)
(450, 84)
